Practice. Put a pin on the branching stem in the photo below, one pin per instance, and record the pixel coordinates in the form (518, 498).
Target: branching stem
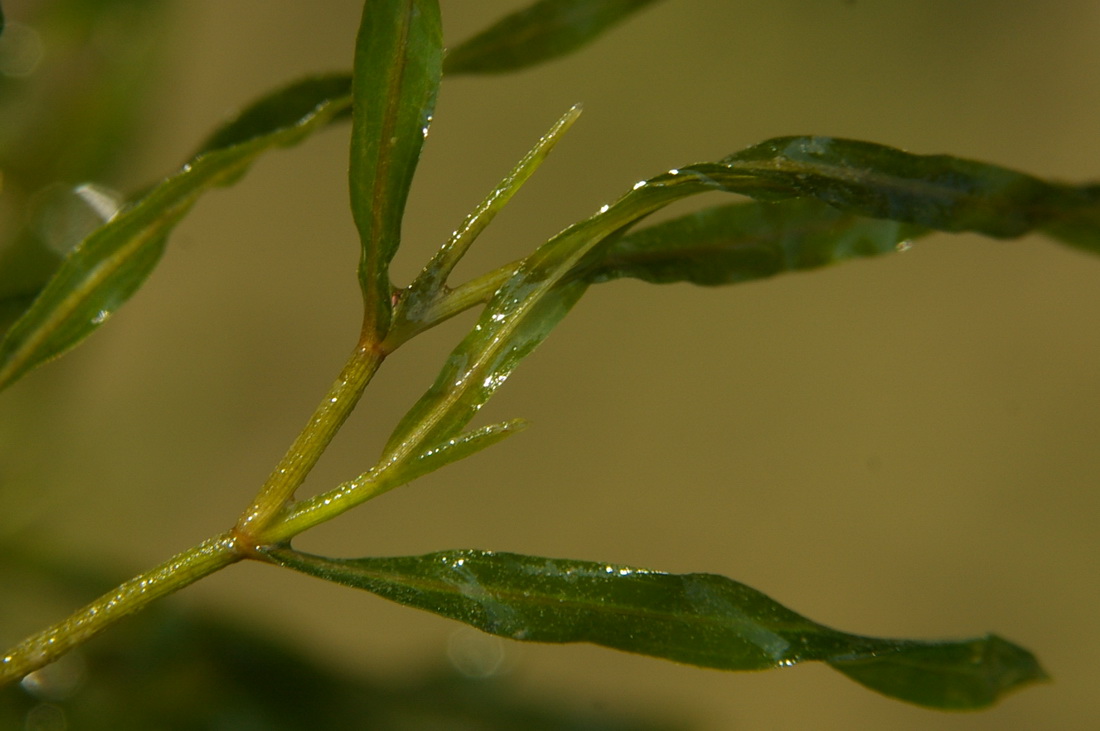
(311, 443)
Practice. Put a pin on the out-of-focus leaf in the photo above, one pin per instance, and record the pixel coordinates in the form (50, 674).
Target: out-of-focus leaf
(25, 267)
(398, 64)
(56, 133)
(105, 269)
(739, 242)
(55, 220)
(543, 31)
(12, 306)
(180, 669)
(938, 191)
(284, 108)
(698, 619)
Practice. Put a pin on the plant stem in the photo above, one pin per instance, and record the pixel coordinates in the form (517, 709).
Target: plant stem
(217, 552)
(321, 508)
(179, 571)
(476, 291)
(303, 454)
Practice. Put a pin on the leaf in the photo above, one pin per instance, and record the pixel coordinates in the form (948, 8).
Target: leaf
(430, 284)
(519, 316)
(933, 192)
(938, 191)
(56, 132)
(108, 266)
(543, 31)
(523, 311)
(12, 306)
(398, 64)
(239, 677)
(698, 619)
(739, 242)
(453, 450)
(282, 109)
(26, 264)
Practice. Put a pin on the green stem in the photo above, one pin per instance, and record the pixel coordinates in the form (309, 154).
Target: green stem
(476, 291)
(215, 553)
(179, 571)
(303, 454)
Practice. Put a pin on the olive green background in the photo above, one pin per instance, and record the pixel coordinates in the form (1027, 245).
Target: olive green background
(902, 447)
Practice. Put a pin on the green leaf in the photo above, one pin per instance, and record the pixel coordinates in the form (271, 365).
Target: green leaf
(518, 317)
(938, 191)
(430, 285)
(523, 311)
(543, 31)
(108, 266)
(698, 619)
(452, 450)
(739, 242)
(934, 192)
(398, 64)
(238, 677)
(285, 108)
(12, 307)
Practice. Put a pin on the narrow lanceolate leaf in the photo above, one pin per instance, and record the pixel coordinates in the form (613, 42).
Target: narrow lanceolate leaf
(517, 318)
(543, 31)
(699, 619)
(452, 450)
(937, 191)
(386, 476)
(398, 63)
(857, 178)
(739, 242)
(285, 108)
(429, 285)
(108, 266)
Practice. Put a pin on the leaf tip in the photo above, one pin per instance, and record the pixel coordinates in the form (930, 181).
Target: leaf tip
(967, 675)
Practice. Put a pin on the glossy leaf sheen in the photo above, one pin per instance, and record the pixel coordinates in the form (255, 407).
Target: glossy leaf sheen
(699, 619)
(938, 191)
(853, 177)
(453, 450)
(422, 293)
(107, 267)
(238, 678)
(398, 64)
(739, 242)
(519, 316)
(543, 31)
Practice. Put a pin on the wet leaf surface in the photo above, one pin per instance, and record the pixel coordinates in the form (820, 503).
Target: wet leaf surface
(741, 242)
(398, 64)
(181, 669)
(107, 267)
(698, 619)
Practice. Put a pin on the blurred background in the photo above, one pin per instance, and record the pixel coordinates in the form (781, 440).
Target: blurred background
(900, 447)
